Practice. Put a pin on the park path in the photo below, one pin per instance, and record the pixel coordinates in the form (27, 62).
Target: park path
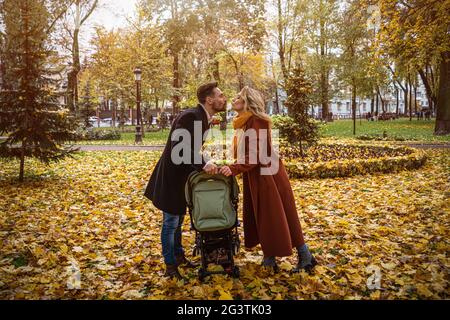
(418, 145)
(161, 147)
(427, 145)
(119, 148)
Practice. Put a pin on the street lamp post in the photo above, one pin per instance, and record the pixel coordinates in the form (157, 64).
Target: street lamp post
(138, 77)
(100, 108)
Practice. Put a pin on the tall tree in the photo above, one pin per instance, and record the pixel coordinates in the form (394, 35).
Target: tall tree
(417, 33)
(29, 110)
(76, 17)
(353, 60)
(245, 32)
(289, 27)
(321, 38)
(179, 24)
(299, 90)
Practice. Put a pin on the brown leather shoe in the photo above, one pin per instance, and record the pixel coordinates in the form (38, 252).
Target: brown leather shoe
(172, 272)
(184, 262)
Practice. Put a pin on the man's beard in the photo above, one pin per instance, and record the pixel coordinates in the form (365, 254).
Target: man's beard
(218, 107)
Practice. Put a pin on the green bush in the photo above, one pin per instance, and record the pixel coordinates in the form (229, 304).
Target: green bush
(293, 132)
(98, 134)
(380, 137)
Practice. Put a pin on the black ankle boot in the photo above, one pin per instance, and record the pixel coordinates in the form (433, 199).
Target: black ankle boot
(271, 263)
(182, 261)
(306, 261)
(172, 272)
(308, 267)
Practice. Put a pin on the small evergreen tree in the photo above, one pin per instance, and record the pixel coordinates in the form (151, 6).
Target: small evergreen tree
(87, 106)
(30, 114)
(302, 129)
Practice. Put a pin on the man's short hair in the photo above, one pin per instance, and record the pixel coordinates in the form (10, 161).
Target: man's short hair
(206, 90)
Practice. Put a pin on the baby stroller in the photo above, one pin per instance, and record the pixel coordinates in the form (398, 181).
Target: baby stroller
(213, 202)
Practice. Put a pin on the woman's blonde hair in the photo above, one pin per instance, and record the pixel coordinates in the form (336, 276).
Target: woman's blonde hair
(254, 102)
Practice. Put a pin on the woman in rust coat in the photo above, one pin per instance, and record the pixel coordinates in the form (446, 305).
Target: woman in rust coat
(269, 213)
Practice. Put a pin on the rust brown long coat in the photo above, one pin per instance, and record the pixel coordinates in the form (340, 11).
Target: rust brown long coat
(269, 213)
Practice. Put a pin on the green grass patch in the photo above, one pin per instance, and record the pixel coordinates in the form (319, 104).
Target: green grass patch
(414, 130)
(128, 137)
(396, 130)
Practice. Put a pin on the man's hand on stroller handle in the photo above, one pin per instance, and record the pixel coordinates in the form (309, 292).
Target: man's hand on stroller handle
(211, 168)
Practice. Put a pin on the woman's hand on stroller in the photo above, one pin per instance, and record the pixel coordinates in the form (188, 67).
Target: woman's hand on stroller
(226, 171)
(211, 168)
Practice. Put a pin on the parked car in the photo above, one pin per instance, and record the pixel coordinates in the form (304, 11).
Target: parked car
(387, 116)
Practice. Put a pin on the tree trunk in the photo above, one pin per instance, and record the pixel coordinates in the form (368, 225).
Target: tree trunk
(72, 81)
(443, 102)
(22, 162)
(324, 96)
(114, 107)
(431, 97)
(410, 100)
(397, 94)
(405, 92)
(377, 105)
(383, 107)
(281, 45)
(323, 72)
(277, 101)
(372, 105)
(216, 70)
(176, 83)
(275, 80)
(76, 67)
(415, 98)
(354, 107)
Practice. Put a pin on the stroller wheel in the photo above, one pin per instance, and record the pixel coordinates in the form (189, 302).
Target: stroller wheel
(236, 273)
(201, 274)
(236, 248)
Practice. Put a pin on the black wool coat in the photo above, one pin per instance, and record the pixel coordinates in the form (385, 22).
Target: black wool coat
(166, 186)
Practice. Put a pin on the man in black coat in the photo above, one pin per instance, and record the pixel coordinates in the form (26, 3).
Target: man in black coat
(182, 155)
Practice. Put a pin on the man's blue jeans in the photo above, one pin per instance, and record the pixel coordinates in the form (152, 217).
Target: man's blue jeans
(171, 237)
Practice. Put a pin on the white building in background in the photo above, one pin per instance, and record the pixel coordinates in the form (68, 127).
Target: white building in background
(341, 107)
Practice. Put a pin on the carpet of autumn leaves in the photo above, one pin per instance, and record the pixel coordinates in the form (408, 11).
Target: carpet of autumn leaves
(90, 212)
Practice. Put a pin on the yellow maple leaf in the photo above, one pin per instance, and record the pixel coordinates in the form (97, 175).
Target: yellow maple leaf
(389, 266)
(423, 290)
(286, 265)
(64, 248)
(224, 295)
(375, 295)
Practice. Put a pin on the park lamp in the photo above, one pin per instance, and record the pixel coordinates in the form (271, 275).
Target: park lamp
(138, 74)
(138, 77)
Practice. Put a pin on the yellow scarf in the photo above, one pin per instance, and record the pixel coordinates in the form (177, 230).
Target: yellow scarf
(241, 120)
(238, 123)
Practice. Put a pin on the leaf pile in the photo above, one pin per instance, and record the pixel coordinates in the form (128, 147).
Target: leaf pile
(324, 152)
(341, 160)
